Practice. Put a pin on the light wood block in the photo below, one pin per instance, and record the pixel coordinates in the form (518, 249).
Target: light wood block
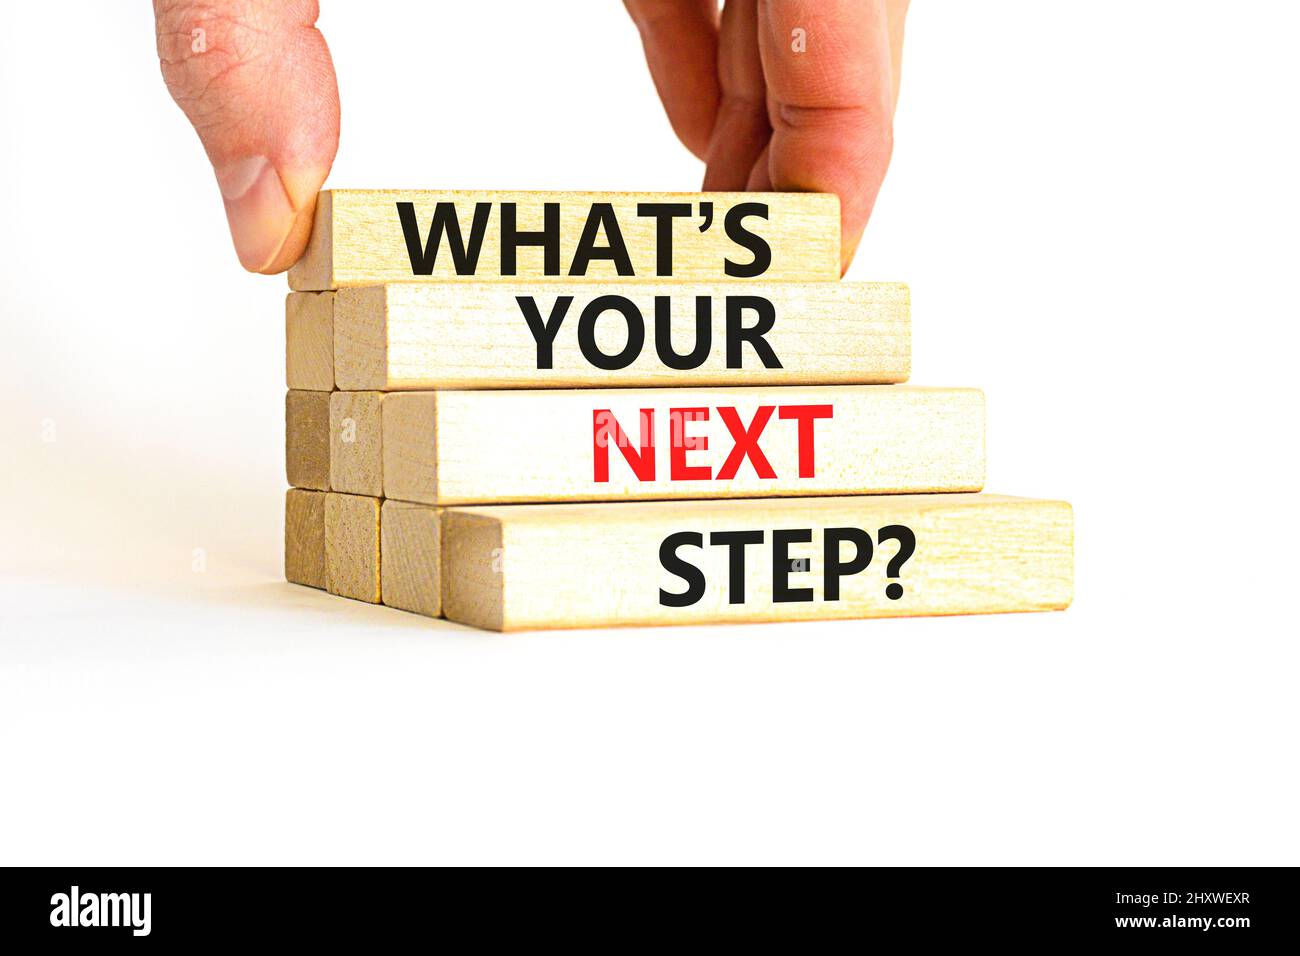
(411, 557)
(358, 237)
(459, 447)
(309, 340)
(352, 546)
(420, 336)
(304, 537)
(307, 439)
(356, 440)
(583, 565)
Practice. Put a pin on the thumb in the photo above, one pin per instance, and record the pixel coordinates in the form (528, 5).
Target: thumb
(256, 80)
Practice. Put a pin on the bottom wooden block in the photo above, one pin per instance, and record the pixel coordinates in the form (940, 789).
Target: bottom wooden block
(681, 562)
(410, 557)
(304, 537)
(352, 546)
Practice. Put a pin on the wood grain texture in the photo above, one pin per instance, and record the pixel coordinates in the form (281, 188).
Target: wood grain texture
(585, 565)
(421, 336)
(307, 439)
(352, 546)
(411, 557)
(357, 237)
(356, 441)
(460, 447)
(304, 537)
(309, 340)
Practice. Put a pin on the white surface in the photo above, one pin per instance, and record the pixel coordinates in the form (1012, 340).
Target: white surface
(1096, 207)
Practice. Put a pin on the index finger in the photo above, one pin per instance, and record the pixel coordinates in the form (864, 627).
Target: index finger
(830, 84)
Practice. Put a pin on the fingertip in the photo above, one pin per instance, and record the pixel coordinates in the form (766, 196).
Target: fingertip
(692, 129)
(760, 177)
(696, 141)
(848, 249)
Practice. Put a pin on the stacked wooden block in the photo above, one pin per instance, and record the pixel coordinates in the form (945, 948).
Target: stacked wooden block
(532, 410)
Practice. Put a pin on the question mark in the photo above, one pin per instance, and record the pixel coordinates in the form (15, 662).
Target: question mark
(906, 546)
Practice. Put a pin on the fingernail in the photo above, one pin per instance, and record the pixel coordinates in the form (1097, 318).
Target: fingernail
(848, 249)
(257, 208)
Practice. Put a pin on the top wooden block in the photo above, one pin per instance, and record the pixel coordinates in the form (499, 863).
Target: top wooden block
(369, 237)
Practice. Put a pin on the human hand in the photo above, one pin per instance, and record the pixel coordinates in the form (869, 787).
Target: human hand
(782, 94)
(255, 79)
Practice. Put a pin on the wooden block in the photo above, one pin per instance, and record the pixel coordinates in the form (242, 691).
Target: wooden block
(411, 557)
(307, 439)
(413, 336)
(359, 237)
(460, 447)
(356, 439)
(309, 340)
(304, 537)
(692, 562)
(352, 546)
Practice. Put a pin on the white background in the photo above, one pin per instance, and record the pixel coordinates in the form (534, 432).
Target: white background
(1096, 207)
